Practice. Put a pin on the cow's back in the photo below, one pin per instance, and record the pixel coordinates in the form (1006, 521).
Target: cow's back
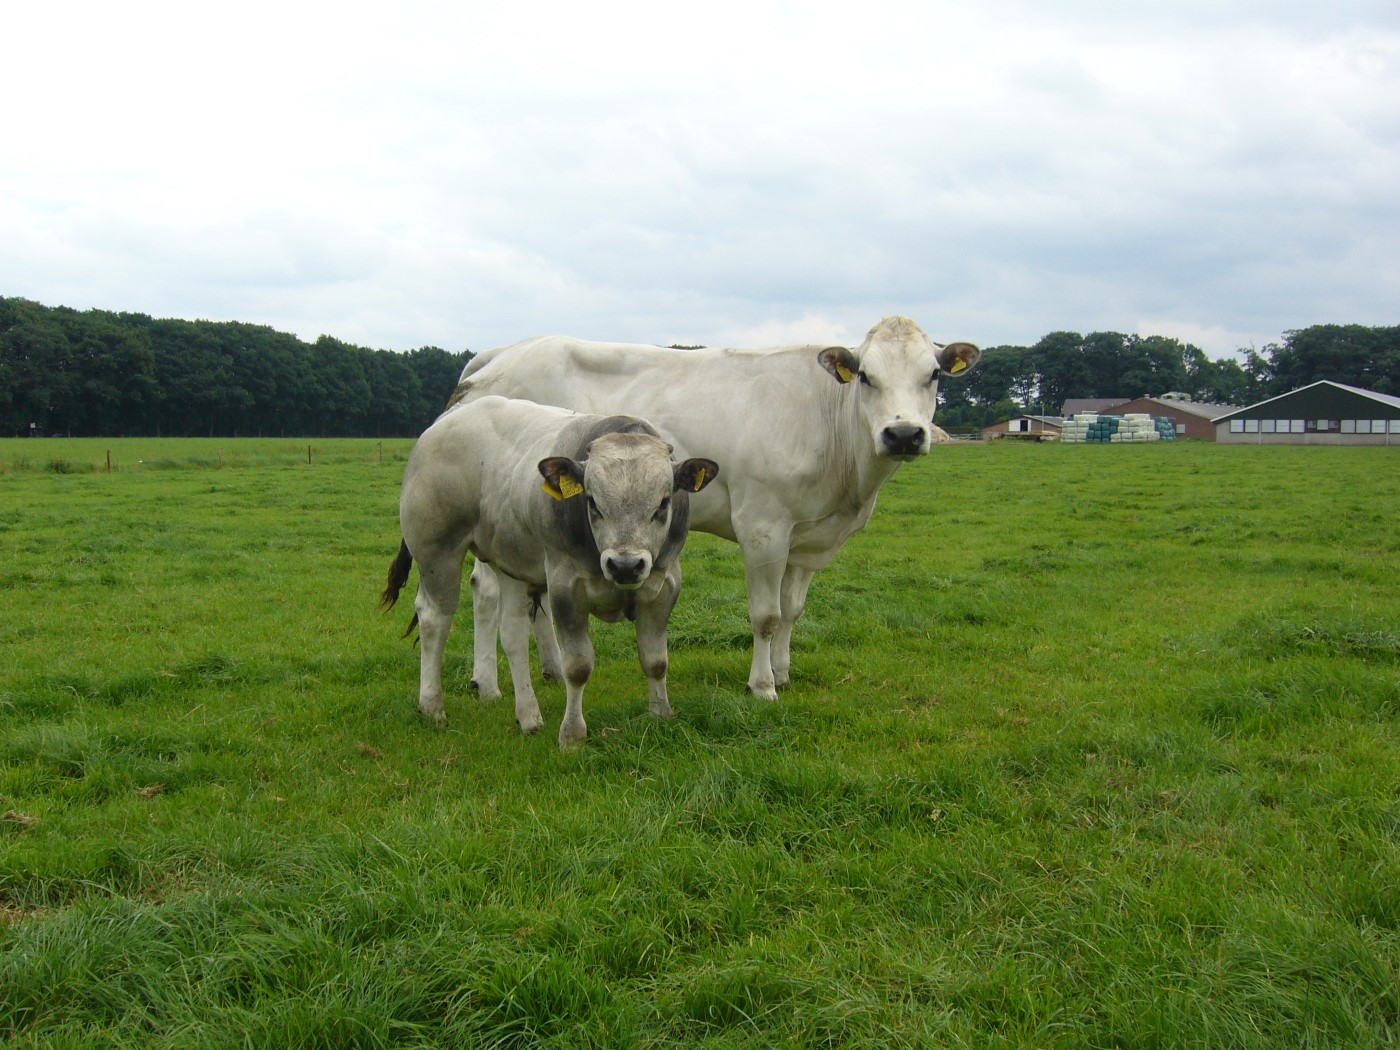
(767, 415)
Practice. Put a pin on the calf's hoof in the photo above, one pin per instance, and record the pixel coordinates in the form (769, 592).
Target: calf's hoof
(491, 691)
(572, 735)
(529, 724)
(433, 712)
(764, 692)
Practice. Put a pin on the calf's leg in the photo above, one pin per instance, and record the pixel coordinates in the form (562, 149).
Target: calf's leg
(576, 652)
(486, 624)
(515, 639)
(652, 619)
(439, 590)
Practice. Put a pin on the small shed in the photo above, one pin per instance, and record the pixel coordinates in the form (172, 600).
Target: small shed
(1033, 428)
(1323, 413)
(1097, 405)
(1192, 419)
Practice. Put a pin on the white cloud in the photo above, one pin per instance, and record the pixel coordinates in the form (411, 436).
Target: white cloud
(467, 175)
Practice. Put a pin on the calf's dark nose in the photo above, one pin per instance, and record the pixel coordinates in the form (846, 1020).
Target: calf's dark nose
(626, 568)
(904, 439)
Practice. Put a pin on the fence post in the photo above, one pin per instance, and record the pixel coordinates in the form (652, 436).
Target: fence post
(308, 455)
(109, 461)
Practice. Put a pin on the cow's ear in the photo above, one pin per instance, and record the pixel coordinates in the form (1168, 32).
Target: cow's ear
(956, 358)
(563, 478)
(694, 474)
(840, 362)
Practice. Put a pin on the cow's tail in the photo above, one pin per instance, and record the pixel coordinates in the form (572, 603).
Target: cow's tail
(398, 576)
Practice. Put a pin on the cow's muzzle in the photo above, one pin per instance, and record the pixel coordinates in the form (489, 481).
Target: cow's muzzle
(628, 571)
(904, 439)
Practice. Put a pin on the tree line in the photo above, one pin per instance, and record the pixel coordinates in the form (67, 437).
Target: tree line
(97, 373)
(1011, 380)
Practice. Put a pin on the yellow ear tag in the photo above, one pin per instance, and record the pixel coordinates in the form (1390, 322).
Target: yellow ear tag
(959, 365)
(553, 492)
(568, 487)
(699, 480)
(843, 373)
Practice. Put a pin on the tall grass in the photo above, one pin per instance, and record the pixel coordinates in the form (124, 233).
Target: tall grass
(1085, 747)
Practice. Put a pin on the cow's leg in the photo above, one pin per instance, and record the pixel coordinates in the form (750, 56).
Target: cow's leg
(486, 625)
(550, 664)
(794, 597)
(576, 652)
(765, 563)
(515, 639)
(652, 619)
(439, 590)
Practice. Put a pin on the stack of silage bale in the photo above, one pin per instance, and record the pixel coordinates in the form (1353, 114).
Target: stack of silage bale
(1137, 426)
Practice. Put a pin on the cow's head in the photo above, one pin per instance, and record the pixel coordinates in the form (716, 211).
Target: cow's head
(896, 372)
(628, 481)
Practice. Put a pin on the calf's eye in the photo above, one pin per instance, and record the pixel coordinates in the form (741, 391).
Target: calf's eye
(661, 510)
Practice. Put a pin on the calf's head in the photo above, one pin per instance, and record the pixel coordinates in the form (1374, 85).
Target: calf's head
(629, 483)
(897, 370)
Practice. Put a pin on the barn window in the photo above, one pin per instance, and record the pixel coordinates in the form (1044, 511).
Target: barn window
(1378, 426)
(1395, 426)
(1251, 426)
(1237, 426)
(1267, 425)
(1363, 426)
(1300, 426)
(1325, 425)
(1348, 426)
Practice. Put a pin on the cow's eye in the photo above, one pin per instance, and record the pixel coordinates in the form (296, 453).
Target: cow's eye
(933, 378)
(661, 510)
(865, 379)
(592, 507)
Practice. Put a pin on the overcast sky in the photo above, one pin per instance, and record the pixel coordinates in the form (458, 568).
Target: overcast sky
(465, 174)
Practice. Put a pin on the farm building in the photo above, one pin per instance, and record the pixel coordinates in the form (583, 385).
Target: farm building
(1040, 428)
(1080, 405)
(1192, 419)
(1324, 413)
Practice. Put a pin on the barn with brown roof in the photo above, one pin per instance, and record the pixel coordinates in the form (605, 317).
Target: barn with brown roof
(1192, 419)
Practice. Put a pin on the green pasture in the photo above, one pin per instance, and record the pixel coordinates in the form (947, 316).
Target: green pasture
(1086, 747)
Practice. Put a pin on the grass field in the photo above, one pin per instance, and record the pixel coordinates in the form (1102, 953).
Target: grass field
(1086, 747)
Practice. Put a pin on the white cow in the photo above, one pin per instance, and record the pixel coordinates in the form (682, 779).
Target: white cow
(601, 536)
(807, 434)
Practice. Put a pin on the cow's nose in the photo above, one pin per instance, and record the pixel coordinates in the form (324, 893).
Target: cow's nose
(626, 568)
(904, 439)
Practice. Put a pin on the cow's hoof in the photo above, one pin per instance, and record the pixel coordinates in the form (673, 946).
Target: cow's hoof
(434, 713)
(491, 693)
(530, 724)
(662, 710)
(764, 692)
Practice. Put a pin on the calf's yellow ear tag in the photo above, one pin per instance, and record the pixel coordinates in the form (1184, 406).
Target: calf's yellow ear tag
(959, 365)
(566, 489)
(843, 373)
(699, 479)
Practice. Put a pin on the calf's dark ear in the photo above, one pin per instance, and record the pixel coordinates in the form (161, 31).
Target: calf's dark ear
(840, 362)
(563, 478)
(956, 358)
(694, 474)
